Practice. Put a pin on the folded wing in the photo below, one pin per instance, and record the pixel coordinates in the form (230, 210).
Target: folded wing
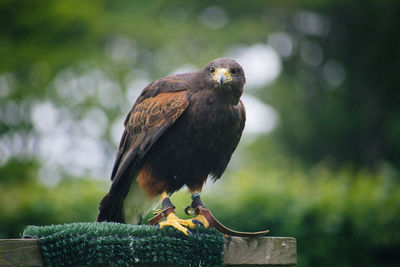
(145, 123)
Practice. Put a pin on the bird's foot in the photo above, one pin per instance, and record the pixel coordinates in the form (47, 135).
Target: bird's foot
(191, 223)
(174, 221)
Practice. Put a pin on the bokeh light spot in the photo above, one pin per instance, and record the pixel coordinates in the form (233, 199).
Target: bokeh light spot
(282, 43)
(311, 53)
(261, 64)
(260, 117)
(334, 73)
(214, 17)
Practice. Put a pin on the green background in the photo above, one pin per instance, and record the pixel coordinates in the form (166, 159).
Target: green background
(328, 171)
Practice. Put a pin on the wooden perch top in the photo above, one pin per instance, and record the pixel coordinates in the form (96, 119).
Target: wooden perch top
(262, 251)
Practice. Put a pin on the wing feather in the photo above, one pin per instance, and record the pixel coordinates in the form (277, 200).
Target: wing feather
(144, 124)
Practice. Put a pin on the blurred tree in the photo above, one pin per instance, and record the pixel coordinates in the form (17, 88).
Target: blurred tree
(339, 218)
(337, 96)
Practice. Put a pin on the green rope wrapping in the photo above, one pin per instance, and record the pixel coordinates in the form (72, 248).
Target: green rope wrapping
(114, 244)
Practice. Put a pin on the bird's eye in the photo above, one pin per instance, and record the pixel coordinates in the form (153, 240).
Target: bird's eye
(212, 70)
(234, 72)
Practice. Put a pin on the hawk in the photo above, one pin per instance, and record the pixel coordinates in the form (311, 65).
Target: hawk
(181, 130)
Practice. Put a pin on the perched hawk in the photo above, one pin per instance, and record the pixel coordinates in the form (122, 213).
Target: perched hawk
(181, 129)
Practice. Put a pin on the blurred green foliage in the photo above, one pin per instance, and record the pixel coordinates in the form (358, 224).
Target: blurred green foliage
(29, 202)
(342, 218)
(328, 174)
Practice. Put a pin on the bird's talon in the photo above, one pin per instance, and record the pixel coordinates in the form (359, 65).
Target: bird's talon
(191, 223)
(187, 223)
(174, 221)
(201, 219)
(197, 222)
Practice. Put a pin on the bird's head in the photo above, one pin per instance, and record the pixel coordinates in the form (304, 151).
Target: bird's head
(226, 75)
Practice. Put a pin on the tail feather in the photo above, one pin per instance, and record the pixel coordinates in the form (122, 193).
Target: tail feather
(126, 202)
(127, 206)
(109, 210)
(111, 206)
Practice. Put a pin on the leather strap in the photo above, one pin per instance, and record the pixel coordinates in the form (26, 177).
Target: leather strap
(163, 213)
(211, 220)
(223, 229)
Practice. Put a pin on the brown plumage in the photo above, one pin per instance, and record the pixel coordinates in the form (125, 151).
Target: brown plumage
(181, 129)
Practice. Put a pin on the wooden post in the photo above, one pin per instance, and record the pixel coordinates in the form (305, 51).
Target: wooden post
(263, 251)
(20, 252)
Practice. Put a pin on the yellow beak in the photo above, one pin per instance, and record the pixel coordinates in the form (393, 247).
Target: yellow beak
(222, 76)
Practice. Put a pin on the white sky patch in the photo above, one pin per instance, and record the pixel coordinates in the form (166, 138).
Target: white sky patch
(121, 49)
(18, 144)
(95, 123)
(261, 64)
(77, 88)
(134, 88)
(66, 144)
(109, 94)
(44, 116)
(260, 118)
(117, 128)
(135, 81)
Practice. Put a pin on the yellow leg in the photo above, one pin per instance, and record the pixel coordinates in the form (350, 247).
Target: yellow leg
(163, 195)
(191, 223)
(172, 220)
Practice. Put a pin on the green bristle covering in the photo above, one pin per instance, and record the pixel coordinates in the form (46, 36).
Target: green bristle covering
(115, 244)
